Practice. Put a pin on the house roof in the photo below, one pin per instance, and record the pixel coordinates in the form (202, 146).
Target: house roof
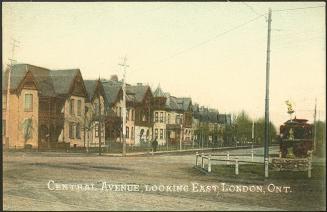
(48, 82)
(158, 92)
(90, 86)
(62, 79)
(184, 103)
(138, 91)
(111, 92)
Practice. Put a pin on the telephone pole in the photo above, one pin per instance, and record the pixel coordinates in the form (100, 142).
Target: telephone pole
(100, 127)
(315, 127)
(266, 153)
(12, 61)
(124, 66)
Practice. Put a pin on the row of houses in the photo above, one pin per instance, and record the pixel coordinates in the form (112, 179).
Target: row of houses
(53, 108)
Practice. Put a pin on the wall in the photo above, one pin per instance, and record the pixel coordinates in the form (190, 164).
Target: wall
(64, 136)
(90, 139)
(17, 116)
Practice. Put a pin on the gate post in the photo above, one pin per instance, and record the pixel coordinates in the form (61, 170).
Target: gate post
(228, 158)
(202, 164)
(236, 166)
(196, 159)
(209, 163)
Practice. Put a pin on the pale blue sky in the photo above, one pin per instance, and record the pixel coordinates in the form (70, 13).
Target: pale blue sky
(162, 42)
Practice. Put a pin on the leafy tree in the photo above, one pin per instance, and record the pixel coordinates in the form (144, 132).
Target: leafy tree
(259, 131)
(243, 127)
(27, 127)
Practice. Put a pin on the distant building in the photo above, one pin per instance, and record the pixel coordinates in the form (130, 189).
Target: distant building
(138, 109)
(172, 118)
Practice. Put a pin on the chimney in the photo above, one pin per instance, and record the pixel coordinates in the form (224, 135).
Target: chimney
(114, 78)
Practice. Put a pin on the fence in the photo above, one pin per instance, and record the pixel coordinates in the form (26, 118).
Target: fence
(236, 162)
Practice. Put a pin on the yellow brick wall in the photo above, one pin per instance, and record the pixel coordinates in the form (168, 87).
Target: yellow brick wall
(17, 115)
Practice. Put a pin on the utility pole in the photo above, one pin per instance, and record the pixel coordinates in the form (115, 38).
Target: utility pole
(100, 128)
(266, 153)
(315, 127)
(124, 66)
(252, 134)
(12, 61)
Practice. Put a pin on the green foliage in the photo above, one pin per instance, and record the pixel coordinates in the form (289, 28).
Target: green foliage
(27, 126)
(243, 127)
(259, 131)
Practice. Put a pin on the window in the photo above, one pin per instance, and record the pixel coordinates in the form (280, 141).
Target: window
(156, 117)
(127, 132)
(156, 133)
(168, 118)
(79, 107)
(96, 108)
(91, 135)
(133, 115)
(161, 117)
(78, 130)
(4, 102)
(71, 130)
(161, 133)
(132, 133)
(28, 106)
(127, 114)
(96, 130)
(177, 119)
(71, 107)
(102, 131)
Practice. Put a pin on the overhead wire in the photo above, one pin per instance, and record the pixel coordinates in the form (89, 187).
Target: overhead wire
(211, 39)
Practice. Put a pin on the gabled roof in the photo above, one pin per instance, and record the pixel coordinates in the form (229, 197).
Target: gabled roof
(184, 103)
(48, 82)
(40, 75)
(158, 92)
(111, 92)
(62, 79)
(90, 86)
(138, 91)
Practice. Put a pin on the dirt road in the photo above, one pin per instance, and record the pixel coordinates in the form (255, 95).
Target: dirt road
(26, 178)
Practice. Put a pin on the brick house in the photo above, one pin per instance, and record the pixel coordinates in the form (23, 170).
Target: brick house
(138, 111)
(140, 97)
(172, 118)
(46, 107)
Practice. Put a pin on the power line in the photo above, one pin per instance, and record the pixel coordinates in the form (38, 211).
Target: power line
(297, 8)
(211, 39)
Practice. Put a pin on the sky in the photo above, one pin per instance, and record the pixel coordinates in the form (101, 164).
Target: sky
(213, 52)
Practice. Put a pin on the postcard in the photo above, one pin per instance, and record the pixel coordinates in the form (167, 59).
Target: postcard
(164, 106)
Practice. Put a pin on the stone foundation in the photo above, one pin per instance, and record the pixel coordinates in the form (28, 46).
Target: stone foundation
(290, 164)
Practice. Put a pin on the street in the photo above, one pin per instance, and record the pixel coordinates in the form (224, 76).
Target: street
(26, 179)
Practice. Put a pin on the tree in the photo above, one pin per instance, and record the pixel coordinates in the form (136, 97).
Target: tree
(243, 127)
(27, 126)
(259, 131)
